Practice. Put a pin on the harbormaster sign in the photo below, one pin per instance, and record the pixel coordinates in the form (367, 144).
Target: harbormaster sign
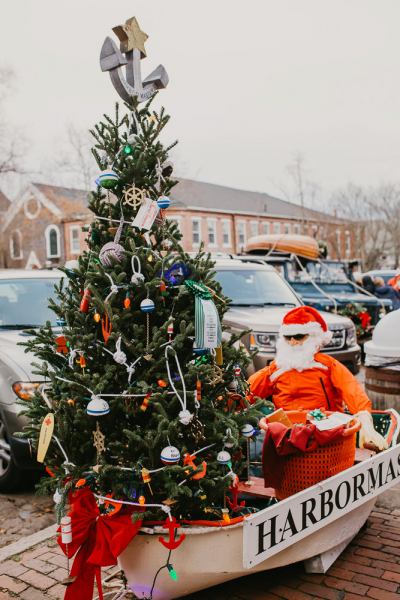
(273, 529)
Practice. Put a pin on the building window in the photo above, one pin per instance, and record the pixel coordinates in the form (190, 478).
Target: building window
(338, 241)
(212, 232)
(241, 228)
(277, 227)
(53, 246)
(253, 228)
(297, 229)
(226, 233)
(348, 248)
(16, 245)
(74, 240)
(196, 230)
(286, 228)
(265, 227)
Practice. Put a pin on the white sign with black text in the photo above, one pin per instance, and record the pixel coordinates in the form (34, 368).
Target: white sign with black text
(273, 529)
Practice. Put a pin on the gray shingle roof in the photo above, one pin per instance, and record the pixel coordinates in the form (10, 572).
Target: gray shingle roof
(210, 196)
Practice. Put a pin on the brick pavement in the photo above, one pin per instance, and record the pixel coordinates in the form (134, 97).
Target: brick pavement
(369, 568)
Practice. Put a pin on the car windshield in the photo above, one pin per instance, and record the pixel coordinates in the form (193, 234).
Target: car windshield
(323, 274)
(24, 304)
(256, 287)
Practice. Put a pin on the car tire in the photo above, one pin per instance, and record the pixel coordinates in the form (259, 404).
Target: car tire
(12, 478)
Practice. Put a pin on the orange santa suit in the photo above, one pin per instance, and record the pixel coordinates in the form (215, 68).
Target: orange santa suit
(325, 383)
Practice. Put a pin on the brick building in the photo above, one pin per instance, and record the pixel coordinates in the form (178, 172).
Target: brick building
(45, 222)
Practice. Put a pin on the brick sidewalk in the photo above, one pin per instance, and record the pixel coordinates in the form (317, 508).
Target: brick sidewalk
(368, 568)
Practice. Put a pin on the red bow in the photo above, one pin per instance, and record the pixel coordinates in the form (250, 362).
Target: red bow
(99, 539)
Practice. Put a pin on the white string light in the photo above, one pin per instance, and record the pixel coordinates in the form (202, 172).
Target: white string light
(184, 416)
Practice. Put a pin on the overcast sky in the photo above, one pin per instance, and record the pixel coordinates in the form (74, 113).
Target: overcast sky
(251, 83)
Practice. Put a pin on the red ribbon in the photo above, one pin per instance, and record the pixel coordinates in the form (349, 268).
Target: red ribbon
(99, 539)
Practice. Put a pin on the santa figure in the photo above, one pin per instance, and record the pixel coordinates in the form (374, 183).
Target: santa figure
(302, 377)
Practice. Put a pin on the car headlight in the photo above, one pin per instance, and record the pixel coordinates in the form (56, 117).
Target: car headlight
(351, 336)
(25, 390)
(263, 341)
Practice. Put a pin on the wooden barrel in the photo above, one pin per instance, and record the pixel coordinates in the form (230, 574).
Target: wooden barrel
(383, 388)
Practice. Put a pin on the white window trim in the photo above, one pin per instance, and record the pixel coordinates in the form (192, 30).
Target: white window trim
(198, 220)
(239, 245)
(289, 225)
(229, 244)
(71, 229)
(263, 227)
(338, 239)
(251, 225)
(296, 229)
(212, 221)
(348, 242)
(21, 253)
(47, 237)
(279, 225)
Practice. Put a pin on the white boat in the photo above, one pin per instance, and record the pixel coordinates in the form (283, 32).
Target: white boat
(212, 555)
(209, 556)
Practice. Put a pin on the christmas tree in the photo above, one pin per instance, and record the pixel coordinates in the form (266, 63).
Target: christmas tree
(149, 406)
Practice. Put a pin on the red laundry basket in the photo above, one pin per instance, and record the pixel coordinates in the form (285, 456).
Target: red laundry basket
(304, 469)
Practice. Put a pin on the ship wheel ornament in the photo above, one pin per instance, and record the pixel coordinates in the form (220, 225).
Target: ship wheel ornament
(216, 376)
(134, 197)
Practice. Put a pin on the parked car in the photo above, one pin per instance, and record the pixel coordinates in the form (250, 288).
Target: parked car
(23, 305)
(260, 300)
(386, 274)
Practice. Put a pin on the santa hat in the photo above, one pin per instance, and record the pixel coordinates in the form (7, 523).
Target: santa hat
(306, 320)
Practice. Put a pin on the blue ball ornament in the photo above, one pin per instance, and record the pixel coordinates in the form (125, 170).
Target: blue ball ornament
(163, 202)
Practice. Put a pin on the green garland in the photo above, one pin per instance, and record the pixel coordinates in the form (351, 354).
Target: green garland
(198, 289)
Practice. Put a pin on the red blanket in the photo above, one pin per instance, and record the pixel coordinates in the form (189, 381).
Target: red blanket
(280, 440)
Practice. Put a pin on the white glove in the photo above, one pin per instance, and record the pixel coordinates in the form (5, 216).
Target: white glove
(367, 432)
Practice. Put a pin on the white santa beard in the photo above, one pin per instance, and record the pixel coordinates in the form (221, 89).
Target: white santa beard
(297, 357)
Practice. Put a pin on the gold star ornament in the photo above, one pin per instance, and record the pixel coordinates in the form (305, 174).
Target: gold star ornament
(131, 36)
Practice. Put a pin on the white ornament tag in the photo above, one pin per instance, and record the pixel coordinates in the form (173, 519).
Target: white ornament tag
(146, 215)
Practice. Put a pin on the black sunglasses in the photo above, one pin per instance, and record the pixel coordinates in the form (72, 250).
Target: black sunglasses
(297, 337)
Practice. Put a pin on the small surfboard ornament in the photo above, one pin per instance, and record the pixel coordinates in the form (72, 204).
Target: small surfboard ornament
(46, 432)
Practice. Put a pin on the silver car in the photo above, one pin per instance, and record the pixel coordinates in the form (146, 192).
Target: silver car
(23, 304)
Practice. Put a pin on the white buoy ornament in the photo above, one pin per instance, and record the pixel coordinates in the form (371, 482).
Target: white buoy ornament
(170, 455)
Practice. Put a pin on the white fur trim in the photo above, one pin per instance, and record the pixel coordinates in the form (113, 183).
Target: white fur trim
(313, 328)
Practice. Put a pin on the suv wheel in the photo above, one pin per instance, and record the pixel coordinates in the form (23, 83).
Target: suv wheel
(11, 477)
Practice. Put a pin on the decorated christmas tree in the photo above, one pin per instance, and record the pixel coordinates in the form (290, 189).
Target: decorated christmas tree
(149, 406)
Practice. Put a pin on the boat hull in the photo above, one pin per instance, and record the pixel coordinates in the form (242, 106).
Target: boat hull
(209, 556)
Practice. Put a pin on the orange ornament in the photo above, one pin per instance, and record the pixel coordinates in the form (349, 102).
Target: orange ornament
(142, 500)
(127, 302)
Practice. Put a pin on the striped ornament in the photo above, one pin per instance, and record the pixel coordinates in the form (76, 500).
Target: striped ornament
(170, 455)
(163, 202)
(147, 305)
(108, 179)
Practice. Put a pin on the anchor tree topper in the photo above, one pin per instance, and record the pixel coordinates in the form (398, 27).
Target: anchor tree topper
(132, 45)
(165, 414)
